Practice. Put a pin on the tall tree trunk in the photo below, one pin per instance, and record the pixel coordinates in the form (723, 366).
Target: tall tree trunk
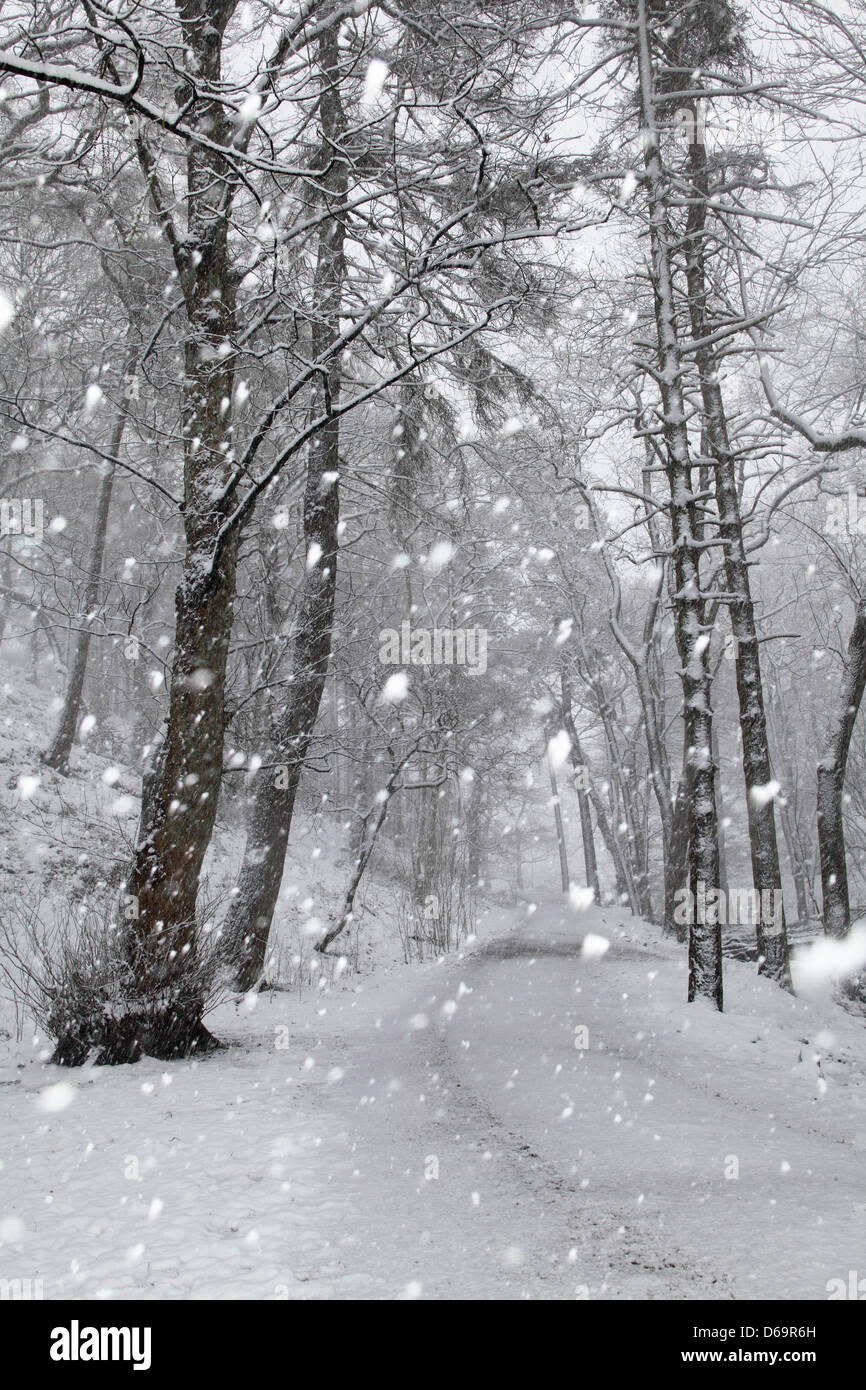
(723, 841)
(623, 801)
(639, 658)
(798, 871)
(766, 872)
(651, 690)
(248, 923)
(478, 833)
(560, 832)
(796, 832)
(167, 864)
(57, 755)
(590, 863)
(831, 782)
(622, 873)
(677, 864)
(705, 944)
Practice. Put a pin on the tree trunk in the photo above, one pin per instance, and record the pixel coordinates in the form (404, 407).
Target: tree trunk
(166, 1018)
(248, 923)
(622, 801)
(766, 872)
(723, 842)
(57, 755)
(831, 782)
(677, 863)
(622, 873)
(478, 834)
(798, 872)
(705, 944)
(560, 833)
(590, 862)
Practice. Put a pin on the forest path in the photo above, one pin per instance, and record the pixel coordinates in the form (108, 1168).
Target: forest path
(518, 1158)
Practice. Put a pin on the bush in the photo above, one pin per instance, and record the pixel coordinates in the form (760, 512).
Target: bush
(75, 979)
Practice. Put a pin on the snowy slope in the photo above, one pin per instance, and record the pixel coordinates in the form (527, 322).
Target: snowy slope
(66, 845)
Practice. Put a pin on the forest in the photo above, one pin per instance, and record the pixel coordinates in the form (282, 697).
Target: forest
(432, 498)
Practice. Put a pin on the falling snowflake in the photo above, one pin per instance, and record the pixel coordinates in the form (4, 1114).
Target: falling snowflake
(374, 81)
(396, 688)
(594, 947)
(762, 796)
(558, 749)
(581, 898)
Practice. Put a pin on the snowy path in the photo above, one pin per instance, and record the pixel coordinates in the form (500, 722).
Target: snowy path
(466, 1181)
(438, 1134)
(563, 1172)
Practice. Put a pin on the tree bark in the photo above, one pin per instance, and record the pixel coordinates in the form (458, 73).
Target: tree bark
(677, 864)
(167, 864)
(590, 862)
(831, 782)
(622, 873)
(560, 833)
(798, 871)
(248, 924)
(723, 844)
(766, 872)
(639, 658)
(705, 944)
(623, 803)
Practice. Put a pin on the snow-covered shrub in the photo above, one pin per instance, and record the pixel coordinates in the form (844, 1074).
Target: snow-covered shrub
(75, 976)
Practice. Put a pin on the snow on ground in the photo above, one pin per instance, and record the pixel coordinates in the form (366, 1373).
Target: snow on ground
(63, 837)
(451, 1131)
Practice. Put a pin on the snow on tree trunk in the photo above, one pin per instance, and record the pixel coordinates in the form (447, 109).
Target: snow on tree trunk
(165, 875)
(766, 872)
(705, 941)
(677, 862)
